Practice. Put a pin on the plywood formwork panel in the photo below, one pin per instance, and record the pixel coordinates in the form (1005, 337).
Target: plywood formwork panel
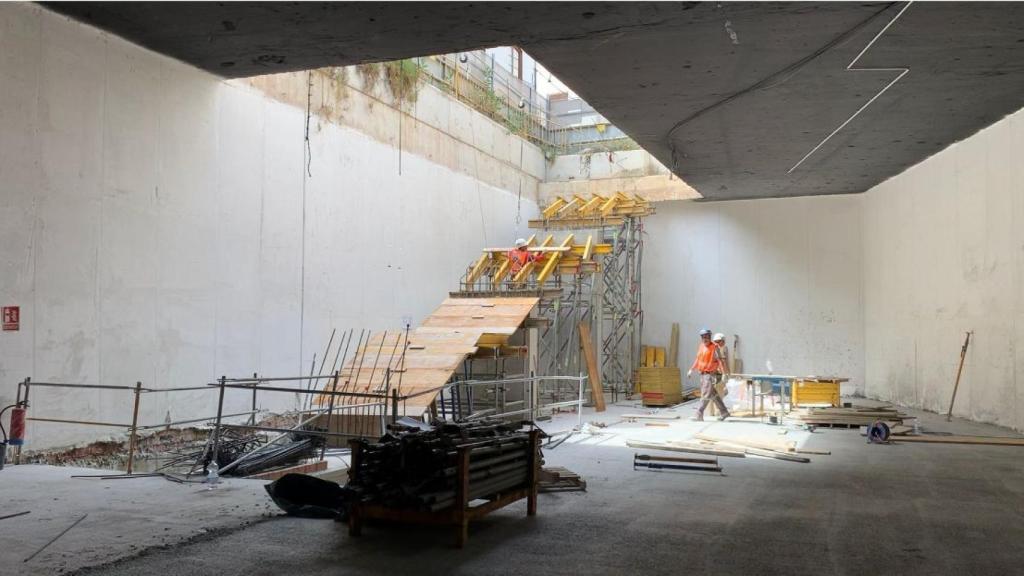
(435, 350)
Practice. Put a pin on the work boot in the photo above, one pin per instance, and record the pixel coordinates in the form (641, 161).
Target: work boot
(724, 416)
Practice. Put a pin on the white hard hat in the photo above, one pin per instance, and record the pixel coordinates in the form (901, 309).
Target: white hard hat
(718, 336)
(520, 242)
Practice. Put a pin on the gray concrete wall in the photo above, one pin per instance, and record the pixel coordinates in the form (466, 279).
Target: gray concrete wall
(785, 275)
(156, 225)
(944, 253)
(605, 173)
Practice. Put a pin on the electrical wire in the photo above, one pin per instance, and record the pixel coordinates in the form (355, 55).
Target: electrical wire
(767, 81)
(902, 72)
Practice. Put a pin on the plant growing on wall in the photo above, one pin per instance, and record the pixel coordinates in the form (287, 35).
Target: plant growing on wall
(403, 78)
(371, 75)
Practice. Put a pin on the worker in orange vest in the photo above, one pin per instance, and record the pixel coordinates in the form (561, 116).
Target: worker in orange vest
(520, 256)
(709, 364)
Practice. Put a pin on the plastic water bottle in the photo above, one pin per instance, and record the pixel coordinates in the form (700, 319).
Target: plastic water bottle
(212, 474)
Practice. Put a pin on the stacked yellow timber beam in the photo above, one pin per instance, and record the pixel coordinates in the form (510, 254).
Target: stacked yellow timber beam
(593, 212)
(659, 385)
(855, 416)
(435, 350)
(565, 257)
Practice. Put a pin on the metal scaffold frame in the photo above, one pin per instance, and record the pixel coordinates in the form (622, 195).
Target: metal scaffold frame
(596, 282)
(610, 301)
(622, 315)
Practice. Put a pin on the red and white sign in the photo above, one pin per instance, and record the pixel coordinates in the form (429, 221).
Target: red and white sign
(12, 318)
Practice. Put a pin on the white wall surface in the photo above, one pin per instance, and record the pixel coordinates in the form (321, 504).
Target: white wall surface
(156, 225)
(785, 275)
(944, 253)
(600, 164)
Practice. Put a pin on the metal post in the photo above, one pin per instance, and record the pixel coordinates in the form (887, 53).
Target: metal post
(579, 406)
(394, 406)
(330, 411)
(216, 429)
(135, 424)
(255, 386)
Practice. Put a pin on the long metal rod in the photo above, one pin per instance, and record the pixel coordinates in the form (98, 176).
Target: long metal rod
(193, 420)
(324, 392)
(82, 422)
(55, 538)
(289, 431)
(284, 434)
(93, 386)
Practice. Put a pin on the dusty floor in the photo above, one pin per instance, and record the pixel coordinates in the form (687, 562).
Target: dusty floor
(865, 509)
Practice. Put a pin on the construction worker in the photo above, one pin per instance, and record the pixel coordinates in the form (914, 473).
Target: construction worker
(710, 367)
(520, 256)
(723, 352)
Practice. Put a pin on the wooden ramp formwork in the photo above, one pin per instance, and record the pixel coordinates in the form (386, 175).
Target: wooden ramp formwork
(434, 351)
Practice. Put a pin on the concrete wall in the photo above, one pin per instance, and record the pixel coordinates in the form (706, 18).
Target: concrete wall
(944, 253)
(600, 164)
(158, 224)
(605, 173)
(785, 275)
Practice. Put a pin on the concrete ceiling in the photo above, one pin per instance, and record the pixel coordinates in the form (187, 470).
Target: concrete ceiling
(731, 96)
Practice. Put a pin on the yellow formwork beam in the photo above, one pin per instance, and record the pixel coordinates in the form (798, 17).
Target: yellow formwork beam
(502, 271)
(554, 207)
(523, 273)
(588, 250)
(552, 260)
(609, 205)
(594, 202)
(478, 268)
(568, 207)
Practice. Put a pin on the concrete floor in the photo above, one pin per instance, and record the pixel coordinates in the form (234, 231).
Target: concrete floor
(125, 516)
(865, 509)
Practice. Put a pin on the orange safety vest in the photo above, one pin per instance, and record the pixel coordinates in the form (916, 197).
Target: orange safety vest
(707, 359)
(519, 258)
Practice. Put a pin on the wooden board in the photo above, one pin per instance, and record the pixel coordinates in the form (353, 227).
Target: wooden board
(673, 346)
(679, 447)
(785, 446)
(754, 451)
(435, 350)
(651, 416)
(596, 388)
(976, 440)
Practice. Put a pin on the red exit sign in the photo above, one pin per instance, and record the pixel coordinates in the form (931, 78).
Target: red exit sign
(11, 318)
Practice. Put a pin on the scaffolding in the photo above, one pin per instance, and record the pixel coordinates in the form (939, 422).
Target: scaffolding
(610, 301)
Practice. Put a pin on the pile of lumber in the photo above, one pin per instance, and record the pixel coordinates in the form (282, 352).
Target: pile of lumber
(852, 417)
(559, 479)
(731, 447)
(659, 386)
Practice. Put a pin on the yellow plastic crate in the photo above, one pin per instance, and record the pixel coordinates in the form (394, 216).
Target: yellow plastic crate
(815, 392)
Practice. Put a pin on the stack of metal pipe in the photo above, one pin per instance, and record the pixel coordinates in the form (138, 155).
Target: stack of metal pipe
(418, 469)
